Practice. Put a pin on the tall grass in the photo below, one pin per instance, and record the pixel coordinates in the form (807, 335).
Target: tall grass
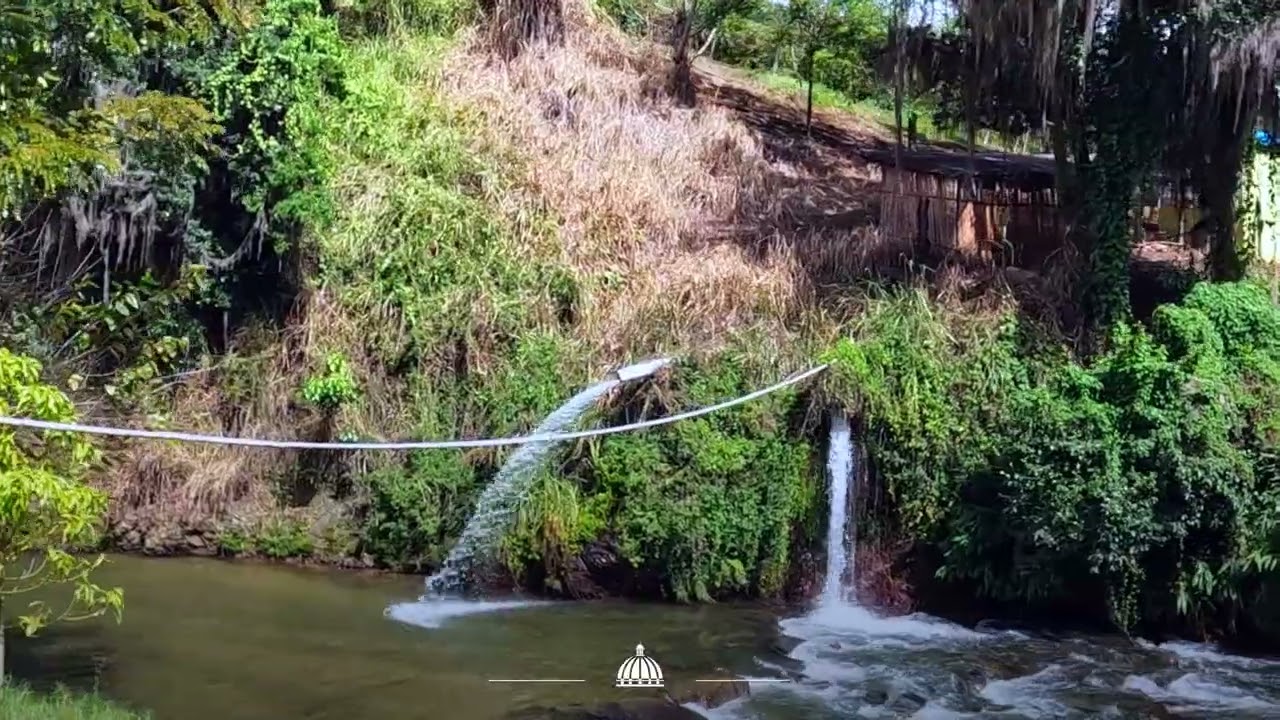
(20, 703)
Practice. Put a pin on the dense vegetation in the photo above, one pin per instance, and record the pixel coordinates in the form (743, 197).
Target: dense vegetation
(1141, 482)
(285, 218)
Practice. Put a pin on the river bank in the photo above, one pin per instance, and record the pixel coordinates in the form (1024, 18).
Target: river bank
(20, 703)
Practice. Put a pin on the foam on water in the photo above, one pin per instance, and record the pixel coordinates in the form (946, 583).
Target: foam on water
(855, 622)
(433, 612)
(1194, 692)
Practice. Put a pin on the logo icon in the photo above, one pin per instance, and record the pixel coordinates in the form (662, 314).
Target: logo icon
(639, 670)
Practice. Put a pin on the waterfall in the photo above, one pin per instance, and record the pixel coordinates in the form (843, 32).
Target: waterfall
(840, 470)
(498, 502)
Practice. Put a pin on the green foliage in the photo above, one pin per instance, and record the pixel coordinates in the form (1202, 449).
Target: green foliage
(389, 17)
(141, 335)
(333, 388)
(415, 510)
(46, 509)
(267, 93)
(51, 137)
(1136, 482)
(20, 703)
(707, 504)
(552, 525)
(234, 541)
(283, 538)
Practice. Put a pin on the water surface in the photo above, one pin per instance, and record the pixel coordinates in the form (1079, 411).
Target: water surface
(208, 640)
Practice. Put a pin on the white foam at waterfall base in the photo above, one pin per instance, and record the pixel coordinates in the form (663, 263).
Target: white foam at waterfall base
(499, 500)
(838, 614)
(433, 612)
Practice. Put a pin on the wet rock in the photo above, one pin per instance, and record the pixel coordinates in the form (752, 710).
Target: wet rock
(785, 644)
(713, 695)
(637, 709)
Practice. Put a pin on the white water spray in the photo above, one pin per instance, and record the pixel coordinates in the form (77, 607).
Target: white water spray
(499, 500)
(839, 470)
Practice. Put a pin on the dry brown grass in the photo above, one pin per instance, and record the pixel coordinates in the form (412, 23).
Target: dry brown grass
(252, 393)
(643, 190)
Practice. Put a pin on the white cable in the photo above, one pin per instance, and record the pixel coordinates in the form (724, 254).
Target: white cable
(413, 445)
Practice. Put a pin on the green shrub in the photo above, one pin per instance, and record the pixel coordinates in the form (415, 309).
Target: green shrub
(267, 91)
(284, 538)
(415, 510)
(707, 504)
(334, 387)
(47, 510)
(1134, 482)
(232, 542)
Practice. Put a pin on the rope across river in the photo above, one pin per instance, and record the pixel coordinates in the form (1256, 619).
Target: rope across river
(399, 445)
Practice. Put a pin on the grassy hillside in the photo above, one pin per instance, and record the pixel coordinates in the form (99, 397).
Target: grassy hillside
(501, 236)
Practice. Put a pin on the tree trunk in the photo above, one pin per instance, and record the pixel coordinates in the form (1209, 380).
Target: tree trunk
(681, 85)
(897, 89)
(2, 648)
(808, 109)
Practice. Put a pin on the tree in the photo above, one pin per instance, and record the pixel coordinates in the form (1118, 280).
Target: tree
(690, 19)
(815, 24)
(56, 59)
(1131, 89)
(47, 512)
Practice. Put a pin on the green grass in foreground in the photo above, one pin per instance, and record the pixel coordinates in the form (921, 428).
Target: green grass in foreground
(20, 703)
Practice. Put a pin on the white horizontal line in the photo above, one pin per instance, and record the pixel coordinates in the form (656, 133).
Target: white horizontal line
(537, 680)
(747, 680)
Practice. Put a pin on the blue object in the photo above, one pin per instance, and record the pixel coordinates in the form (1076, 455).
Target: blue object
(1262, 137)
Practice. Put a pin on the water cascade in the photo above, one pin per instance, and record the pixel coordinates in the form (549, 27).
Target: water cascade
(840, 469)
(499, 500)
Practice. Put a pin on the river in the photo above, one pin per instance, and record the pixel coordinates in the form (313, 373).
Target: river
(206, 640)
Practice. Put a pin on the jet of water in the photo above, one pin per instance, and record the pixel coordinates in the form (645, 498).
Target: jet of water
(840, 470)
(499, 500)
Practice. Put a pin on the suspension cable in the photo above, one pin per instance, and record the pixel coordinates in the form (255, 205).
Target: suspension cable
(404, 445)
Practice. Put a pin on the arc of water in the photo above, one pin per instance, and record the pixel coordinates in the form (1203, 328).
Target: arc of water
(840, 472)
(498, 501)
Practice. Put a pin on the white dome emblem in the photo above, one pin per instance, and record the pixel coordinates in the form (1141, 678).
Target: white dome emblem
(639, 670)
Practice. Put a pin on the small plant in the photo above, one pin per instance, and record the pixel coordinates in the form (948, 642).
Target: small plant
(284, 538)
(333, 388)
(232, 542)
(415, 508)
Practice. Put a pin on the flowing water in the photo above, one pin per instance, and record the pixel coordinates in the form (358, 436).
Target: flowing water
(500, 498)
(839, 472)
(209, 640)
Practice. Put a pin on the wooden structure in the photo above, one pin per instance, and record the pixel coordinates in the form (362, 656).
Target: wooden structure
(993, 207)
